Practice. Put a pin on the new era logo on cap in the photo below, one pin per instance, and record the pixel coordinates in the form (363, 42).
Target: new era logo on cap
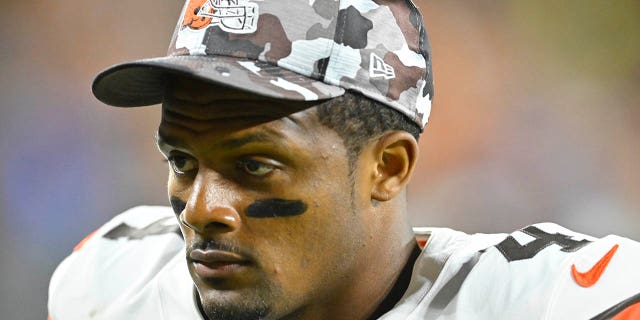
(293, 49)
(378, 68)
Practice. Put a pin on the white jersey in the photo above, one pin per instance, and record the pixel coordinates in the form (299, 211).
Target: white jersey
(134, 267)
(543, 271)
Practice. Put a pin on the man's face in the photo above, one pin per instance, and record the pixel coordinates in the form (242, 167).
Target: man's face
(262, 190)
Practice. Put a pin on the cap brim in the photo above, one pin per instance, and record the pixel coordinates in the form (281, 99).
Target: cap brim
(142, 82)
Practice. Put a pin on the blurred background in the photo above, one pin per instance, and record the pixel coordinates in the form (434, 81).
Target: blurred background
(535, 118)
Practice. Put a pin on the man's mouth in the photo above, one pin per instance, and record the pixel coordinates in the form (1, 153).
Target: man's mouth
(210, 264)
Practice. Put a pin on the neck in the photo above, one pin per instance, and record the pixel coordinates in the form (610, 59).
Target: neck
(400, 286)
(378, 285)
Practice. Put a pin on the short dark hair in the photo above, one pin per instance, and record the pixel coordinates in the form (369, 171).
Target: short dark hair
(358, 119)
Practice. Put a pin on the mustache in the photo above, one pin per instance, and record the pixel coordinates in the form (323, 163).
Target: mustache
(228, 246)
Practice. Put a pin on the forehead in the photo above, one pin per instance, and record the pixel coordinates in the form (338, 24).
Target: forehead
(198, 109)
(215, 98)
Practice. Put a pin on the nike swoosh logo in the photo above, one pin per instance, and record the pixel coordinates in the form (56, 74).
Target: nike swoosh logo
(589, 278)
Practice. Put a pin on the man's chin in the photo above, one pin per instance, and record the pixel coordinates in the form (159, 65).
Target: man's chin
(223, 305)
(235, 304)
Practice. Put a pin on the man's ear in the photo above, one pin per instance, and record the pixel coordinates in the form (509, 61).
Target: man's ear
(396, 155)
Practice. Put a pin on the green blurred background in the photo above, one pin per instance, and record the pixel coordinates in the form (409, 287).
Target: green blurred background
(535, 118)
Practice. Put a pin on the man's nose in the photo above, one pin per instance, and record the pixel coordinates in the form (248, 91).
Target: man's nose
(210, 207)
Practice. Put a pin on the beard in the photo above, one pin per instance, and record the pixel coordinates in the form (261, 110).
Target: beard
(253, 304)
(217, 311)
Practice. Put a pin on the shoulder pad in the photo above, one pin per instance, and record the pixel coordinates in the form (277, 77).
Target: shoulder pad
(118, 258)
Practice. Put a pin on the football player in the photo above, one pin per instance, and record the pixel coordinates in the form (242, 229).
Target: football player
(290, 129)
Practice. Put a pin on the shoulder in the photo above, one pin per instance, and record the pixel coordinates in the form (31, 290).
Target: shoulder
(601, 280)
(560, 274)
(124, 257)
(542, 271)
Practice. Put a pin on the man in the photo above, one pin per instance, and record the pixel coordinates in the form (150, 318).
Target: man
(290, 130)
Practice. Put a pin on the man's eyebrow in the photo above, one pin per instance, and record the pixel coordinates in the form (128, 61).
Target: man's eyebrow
(234, 143)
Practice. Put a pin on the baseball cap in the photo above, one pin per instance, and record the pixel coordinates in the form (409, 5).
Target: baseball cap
(294, 49)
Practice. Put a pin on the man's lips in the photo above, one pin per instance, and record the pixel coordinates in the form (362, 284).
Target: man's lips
(216, 263)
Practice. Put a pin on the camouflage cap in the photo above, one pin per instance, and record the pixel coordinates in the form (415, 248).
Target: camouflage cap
(294, 49)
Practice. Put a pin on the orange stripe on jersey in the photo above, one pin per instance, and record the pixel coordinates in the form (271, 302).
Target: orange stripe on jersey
(49, 318)
(630, 313)
(83, 241)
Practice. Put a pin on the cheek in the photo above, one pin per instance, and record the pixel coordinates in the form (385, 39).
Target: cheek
(316, 250)
(326, 227)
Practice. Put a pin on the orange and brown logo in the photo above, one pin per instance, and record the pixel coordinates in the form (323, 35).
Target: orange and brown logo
(234, 16)
(192, 17)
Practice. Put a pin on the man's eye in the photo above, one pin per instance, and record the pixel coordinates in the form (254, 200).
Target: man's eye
(181, 164)
(255, 168)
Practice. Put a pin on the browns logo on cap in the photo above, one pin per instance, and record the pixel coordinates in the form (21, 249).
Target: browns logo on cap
(192, 17)
(235, 16)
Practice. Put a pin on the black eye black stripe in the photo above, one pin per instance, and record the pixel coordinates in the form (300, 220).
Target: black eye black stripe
(272, 208)
(265, 208)
(177, 204)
